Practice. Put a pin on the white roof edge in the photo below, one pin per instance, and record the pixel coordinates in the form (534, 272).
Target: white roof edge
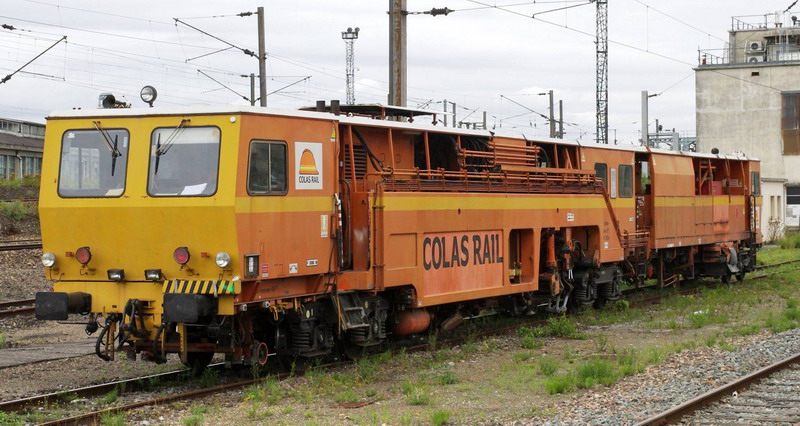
(419, 124)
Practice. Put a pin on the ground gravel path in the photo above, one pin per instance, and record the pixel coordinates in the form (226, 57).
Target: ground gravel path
(680, 378)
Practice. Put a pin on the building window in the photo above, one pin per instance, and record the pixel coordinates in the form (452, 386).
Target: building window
(790, 122)
(793, 195)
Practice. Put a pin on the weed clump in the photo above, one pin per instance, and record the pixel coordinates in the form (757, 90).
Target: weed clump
(789, 241)
(556, 327)
(14, 210)
(440, 417)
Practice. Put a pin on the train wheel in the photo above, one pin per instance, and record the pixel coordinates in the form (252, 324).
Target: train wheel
(575, 307)
(600, 303)
(353, 352)
(740, 276)
(726, 278)
(293, 363)
(197, 362)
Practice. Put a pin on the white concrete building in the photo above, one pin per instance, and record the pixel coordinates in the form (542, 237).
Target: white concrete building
(21, 145)
(748, 100)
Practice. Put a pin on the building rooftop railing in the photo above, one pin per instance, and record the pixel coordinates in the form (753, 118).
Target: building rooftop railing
(771, 53)
(756, 22)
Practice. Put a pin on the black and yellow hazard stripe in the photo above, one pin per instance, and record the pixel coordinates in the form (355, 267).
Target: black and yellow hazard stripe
(199, 287)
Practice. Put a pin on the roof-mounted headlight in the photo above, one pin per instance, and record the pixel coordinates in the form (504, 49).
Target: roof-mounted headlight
(148, 95)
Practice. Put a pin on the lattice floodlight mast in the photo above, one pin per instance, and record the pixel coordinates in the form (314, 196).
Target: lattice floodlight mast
(349, 38)
(602, 71)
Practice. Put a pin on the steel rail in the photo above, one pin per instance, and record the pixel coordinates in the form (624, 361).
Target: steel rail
(675, 414)
(13, 308)
(23, 200)
(8, 313)
(15, 303)
(9, 246)
(95, 416)
(129, 385)
(137, 383)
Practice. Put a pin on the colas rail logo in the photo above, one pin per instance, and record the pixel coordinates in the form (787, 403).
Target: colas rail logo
(308, 165)
(308, 168)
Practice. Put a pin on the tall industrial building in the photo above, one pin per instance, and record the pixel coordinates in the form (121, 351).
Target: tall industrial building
(748, 100)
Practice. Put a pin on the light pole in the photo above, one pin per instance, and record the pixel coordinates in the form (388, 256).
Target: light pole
(349, 37)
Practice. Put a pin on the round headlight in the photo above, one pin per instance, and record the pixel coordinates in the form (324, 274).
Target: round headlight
(223, 259)
(84, 255)
(48, 259)
(148, 94)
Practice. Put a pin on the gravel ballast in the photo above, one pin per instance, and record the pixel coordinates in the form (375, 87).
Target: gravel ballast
(680, 378)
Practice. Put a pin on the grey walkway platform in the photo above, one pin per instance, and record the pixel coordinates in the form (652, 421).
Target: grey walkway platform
(10, 357)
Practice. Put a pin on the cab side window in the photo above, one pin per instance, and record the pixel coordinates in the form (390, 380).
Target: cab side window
(267, 168)
(625, 180)
(601, 171)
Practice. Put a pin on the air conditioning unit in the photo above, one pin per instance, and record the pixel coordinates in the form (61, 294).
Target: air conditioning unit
(755, 58)
(755, 46)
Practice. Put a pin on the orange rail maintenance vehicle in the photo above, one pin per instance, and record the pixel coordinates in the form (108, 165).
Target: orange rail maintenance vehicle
(251, 231)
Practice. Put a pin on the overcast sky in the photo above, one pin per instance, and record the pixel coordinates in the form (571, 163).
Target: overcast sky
(482, 58)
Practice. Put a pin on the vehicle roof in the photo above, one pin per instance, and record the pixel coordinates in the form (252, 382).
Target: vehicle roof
(420, 123)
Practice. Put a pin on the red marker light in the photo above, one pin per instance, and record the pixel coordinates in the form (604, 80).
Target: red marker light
(181, 255)
(83, 255)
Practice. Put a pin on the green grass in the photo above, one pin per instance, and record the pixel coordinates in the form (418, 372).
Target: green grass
(707, 316)
(14, 210)
(416, 393)
(522, 356)
(597, 371)
(560, 384)
(789, 241)
(3, 339)
(777, 255)
(440, 417)
(193, 420)
(11, 419)
(113, 419)
(549, 365)
(346, 396)
(447, 378)
(11, 183)
(556, 327)
(110, 397)
(268, 391)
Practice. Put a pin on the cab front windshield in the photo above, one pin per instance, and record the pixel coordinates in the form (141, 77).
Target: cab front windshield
(184, 161)
(93, 163)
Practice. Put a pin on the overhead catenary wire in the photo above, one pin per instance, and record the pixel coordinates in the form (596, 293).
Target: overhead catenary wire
(679, 21)
(243, 50)
(8, 77)
(680, 61)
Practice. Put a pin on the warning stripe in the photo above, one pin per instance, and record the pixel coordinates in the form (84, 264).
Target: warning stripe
(199, 287)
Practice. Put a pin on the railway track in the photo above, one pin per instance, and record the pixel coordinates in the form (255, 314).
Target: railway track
(10, 245)
(23, 200)
(767, 396)
(139, 384)
(13, 308)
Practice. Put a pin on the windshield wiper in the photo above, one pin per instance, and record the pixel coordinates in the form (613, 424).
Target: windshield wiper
(112, 146)
(163, 149)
